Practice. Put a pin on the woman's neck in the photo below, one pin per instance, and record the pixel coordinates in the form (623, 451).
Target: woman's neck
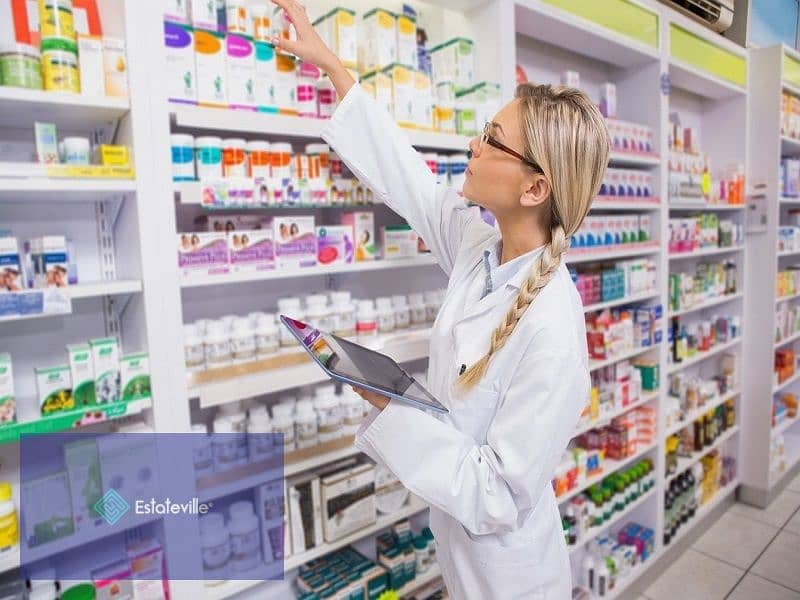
(520, 236)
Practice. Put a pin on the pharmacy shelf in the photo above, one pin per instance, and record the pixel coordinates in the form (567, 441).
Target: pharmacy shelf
(202, 280)
(792, 457)
(20, 108)
(701, 356)
(198, 118)
(705, 252)
(780, 299)
(784, 253)
(72, 419)
(633, 159)
(790, 88)
(626, 203)
(289, 370)
(644, 398)
(191, 193)
(433, 573)
(25, 189)
(787, 423)
(594, 364)
(789, 146)
(104, 288)
(789, 201)
(609, 466)
(778, 387)
(706, 304)
(701, 83)
(620, 302)
(609, 253)
(231, 588)
(595, 532)
(699, 412)
(693, 206)
(688, 462)
(787, 340)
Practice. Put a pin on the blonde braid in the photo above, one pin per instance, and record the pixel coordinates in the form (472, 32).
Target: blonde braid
(543, 271)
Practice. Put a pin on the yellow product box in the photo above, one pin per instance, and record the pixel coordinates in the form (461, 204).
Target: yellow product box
(379, 40)
(112, 156)
(379, 85)
(115, 67)
(407, 41)
(402, 86)
(338, 29)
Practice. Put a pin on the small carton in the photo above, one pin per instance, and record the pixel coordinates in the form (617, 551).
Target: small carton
(181, 70)
(204, 14)
(8, 407)
(407, 41)
(54, 389)
(115, 67)
(285, 85)
(240, 63)
(270, 505)
(266, 75)
(379, 84)
(146, 560)
(48, 257)
(90, 62)
(135, 371)
(399, 241)
(203, 253)
(46, 143)
(210, 67)
(353, 482)
(83, 469)
(379, 40)
(112, 155)
(335, 244)
(105, 355)
(11, 279)
(403, 94)
(251, 250)
(608, 100)
(48, 509)
(337, 28)
(81, 369)
(363, 224)
(295, 241)
(113, 582)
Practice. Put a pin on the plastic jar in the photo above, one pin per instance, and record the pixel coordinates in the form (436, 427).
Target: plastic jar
(60, 65)
(182, 146)
(305, 425)
(243, 341)
(281, 160)
(208, 156)
(225, 444)
(193, 353)
(237, 17)
(234, 161)
(284, 424)
(366, 319)
(259, 16)
(245, 537)
(352, 407)
(432, 305)
(216, 546)
(402, 313)
(290, 307)
(385, 314)
(228, 321)
(9, 523)
(318, 314)
(267, 336)
(320, 153)
(419, 312)
(216, 345)
(258, 160)
(432, 160)
(326, 98)
(458, 170)
(202, 451)
(343, 314)
(421, 554)
(75, 151)
(307, 76)
(56, 20)
(329, 417)
(260, 443)
(20, 66)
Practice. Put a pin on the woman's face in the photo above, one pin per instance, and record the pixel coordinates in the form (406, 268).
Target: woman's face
(496, 180)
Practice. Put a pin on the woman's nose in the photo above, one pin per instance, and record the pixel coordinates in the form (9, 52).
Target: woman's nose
(475, 147)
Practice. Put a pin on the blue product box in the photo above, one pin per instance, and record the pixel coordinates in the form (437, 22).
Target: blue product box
(9, 306)
(30, 302)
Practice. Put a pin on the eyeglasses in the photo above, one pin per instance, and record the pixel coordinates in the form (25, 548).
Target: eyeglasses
(488, 138)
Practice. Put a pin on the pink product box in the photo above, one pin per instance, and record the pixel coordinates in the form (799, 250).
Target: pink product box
(203, 253)
(295, 241)
(251, 250)
(335, 244)
(630, 137)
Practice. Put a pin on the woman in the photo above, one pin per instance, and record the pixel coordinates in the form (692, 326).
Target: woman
(508, 349)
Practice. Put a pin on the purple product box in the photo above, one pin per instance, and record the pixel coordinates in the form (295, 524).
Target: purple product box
(203, 253)
(251, 250)
(335, 244)
(295, 241)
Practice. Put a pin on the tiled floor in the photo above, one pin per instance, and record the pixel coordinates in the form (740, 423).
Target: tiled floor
(748, 554)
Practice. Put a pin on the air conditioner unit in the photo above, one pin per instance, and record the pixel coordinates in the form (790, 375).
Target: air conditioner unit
(714, 14)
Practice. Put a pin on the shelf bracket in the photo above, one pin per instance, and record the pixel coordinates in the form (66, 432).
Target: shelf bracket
(105, 217)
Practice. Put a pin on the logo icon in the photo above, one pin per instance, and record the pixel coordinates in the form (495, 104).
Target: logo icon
(111, 507)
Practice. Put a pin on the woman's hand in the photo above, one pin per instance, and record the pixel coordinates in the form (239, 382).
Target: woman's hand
(309, 46)
(377, 400)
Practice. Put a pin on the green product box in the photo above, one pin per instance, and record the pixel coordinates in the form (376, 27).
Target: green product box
(83, 469)
(650, 374)
(54, 389)
(105, 354)
(8, 407)
(81, 370)
(48, 510)
(135, 369)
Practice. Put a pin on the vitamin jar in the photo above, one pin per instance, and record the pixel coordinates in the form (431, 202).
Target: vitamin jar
(284, 424)
(352, 407)
(20, 66)
(267, 336)
(366, 319)
(215, 546)
(385, 315)
(60, 65)
(291, 307)
(56, 19)
(208, 156)
(402, 313)
(305, 424)
(329, 417)
(225, 444)
(258, 160)
(259, 16)
(343, 314)
(319, 154)
(260, 444)
(216, 345)
(307, 76)
(193, 352)
(234, 163)
(245, 537)
(419, 312)
(317, 312)
(243, 341)
(281, 160)
(202, 452)
(182, 146)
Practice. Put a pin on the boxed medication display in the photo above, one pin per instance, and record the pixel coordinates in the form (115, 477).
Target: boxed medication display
(304, 512)
(454, 60)
(379, 85)
(48, 509)
(407, 41)
(378, 37)
(83, 471)
(335, 244)
(251, 250)
(11, 279)
(115, 67)
(210, 67)
(399, 241)
(348, 500)
(402, 83)
(48, 258)
(54, 389)
(113, 582)
(266, 73)
(81, 367)
(338, 30)
(105, 356)
(363, 224)
(135, 372)
(90, 61)
(286, 84)
(203, 253)
(295, 241)
(241, 71)
(8, 410)
(423, 100)
(270, 511)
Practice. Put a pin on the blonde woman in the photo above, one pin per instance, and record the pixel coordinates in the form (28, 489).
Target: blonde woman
(508, 349)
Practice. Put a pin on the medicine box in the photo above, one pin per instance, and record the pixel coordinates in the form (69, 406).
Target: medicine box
(399, 241)
(90, 62)
(111, 155)
(348, 501)
(379, 86)
(266, 75)
(11, 279)
(423, 100)
(105, 356)
(135, 373)
(8, 407)
(335, 245)
(571, 79)
(304, 512)
(337, 28)
(273, 519)
(180, 65)
(48, 258)
(285, 84)
(48, 509)
(203, 253)
(83, 470)
(203, 14)
(115, 67)
(403, 87)
(608, 100)
(146, 559)
(54, 389)
(251, 250)
(363, 224)
(46, 143)
(129, 463)
(295, 241)
(378, 37)
(454, 60)
(177, 11)
(407, 41)
(81, 368)
(113, 582)
(241, 71)
(210, 65)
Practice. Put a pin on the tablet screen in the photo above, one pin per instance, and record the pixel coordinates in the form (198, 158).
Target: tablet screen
(355, 362)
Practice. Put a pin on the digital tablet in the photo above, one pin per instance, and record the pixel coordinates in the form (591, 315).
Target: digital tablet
(356, 365)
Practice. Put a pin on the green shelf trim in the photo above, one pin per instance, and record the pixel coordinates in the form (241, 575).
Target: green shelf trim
(619, 16)
(791, 70)
(707, 57)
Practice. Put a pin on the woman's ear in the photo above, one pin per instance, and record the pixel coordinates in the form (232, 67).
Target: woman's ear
(537, 191)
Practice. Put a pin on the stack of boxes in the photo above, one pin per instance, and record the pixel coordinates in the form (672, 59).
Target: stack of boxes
(613, 332)
(612, 230)
(626, 278)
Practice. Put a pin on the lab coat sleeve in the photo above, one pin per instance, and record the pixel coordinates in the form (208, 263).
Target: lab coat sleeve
(489, 488)
(379, 153)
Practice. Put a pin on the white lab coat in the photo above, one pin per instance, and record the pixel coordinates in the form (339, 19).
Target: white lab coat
(485, 468)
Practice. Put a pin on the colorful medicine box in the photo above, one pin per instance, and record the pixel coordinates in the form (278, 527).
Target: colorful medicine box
(337, 28)
(90, 61)
(241, 71)
(251, 250)
(399, 241)
(454, 60)
(210, 65)
(11, 279)
(112, 155)
(203, 253)
(181, 69)
(46, 521)
(285, 84)
(54, 389)
(105, 356)
(402, 87)
(135, 373)
(266, 74)
(363, 224)
(115, 67)
(8, 406)
(335, 244)
(295, 241)
(83, 471)
(379, 39)
(48, 257)
(81, 368)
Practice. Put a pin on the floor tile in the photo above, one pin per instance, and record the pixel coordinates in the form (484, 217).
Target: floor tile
(793, 525)
(779, 561)
(776, 514)
(695, 576)
(794, 484)
(753, 586)
(736, 540)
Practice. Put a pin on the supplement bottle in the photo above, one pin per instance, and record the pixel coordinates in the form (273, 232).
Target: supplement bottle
(329, 417)
(225, 444)
(202, 452)
(283, 422)
(290, 307)
(385, 314)
(208, 157)
(216, 546)
(243, 341)
(234, 163)
(366, 320)
(260, 442)
(267, 335)
(352, 408)
(317, 312)
(216, 345)
(402, 313)
(419, 312)
(193, 352)
(305, 424)
(343, 314)
(258, 160)
(245, 537)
